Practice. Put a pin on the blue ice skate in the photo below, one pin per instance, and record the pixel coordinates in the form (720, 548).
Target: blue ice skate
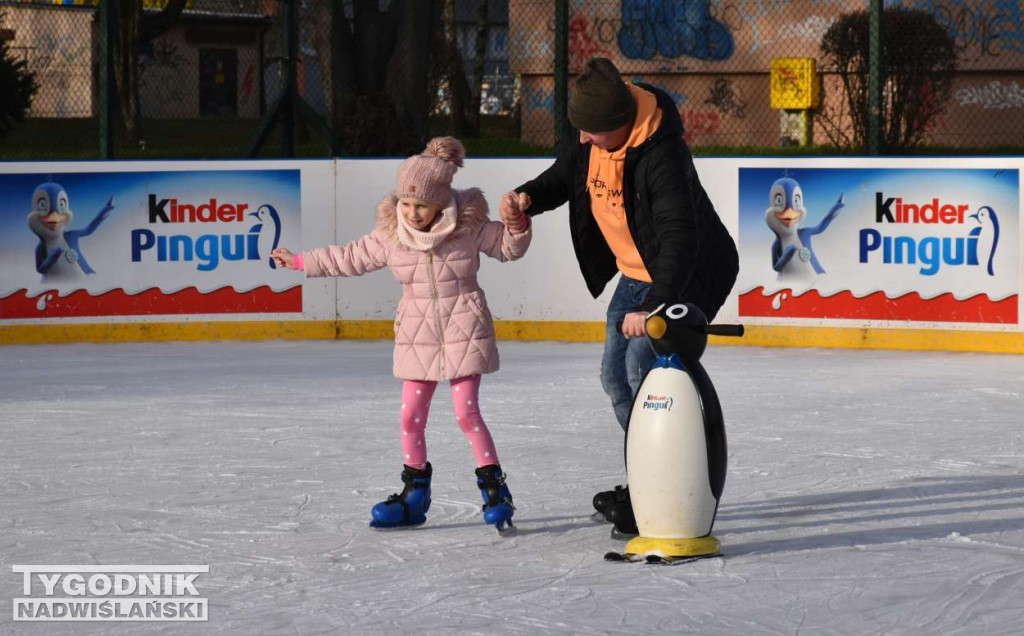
(498, 508)
(408, 508)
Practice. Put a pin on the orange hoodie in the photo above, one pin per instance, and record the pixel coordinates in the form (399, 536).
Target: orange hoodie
(604, 183)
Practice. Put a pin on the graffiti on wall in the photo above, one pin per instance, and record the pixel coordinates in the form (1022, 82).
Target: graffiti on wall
(672, 29)
(994, 95)
(992, 28)
(538, 98)
(812, 29)
(61, 61)
(669, 36)
(724, 97)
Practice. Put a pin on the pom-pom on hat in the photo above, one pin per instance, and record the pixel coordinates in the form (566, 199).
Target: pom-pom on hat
(428, 176)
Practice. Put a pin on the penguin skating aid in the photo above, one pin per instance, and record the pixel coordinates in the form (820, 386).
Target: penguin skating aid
(675, 444)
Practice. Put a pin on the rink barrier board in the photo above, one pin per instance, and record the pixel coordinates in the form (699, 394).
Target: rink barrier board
(562, 331)
(335, 191)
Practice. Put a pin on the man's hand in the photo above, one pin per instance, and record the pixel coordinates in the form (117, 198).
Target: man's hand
(634, 325)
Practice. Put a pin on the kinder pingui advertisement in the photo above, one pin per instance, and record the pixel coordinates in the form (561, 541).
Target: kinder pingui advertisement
(922, 245)
(147, 243)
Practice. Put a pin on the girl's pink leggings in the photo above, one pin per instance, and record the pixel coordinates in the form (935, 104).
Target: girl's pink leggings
(416, 395)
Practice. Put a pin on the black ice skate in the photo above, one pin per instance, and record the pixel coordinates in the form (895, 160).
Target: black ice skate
(498, 508)
(408, 508)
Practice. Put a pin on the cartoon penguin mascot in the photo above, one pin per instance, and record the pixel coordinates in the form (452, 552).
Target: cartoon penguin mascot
(987, 238)
(59, 256)
(793, 256)
(675, 446)
(269, 230)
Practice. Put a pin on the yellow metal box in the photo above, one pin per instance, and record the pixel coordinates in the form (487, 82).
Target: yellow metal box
(795, 84)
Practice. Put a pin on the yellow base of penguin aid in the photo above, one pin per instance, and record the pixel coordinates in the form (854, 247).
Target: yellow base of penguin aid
(698, 547)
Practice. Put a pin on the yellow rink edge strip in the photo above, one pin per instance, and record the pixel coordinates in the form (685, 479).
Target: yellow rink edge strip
(566, 331)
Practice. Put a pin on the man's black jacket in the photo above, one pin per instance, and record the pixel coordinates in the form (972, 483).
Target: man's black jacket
(687, 251)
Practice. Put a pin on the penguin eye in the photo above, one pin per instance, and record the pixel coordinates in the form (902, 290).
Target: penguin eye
(62, 204)
(41, 204)
(797, 199)
(675, 312)
(779, 200)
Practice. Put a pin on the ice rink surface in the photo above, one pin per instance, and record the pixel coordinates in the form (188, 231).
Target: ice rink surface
(869, 492)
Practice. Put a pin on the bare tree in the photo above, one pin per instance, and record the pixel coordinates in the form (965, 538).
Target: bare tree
(918, 59)
(17, 87)
(458, 88)
(483, 28)
(133, 27)
(381, 74)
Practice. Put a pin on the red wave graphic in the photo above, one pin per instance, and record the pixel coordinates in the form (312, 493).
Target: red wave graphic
(876, 306)
(117, 302)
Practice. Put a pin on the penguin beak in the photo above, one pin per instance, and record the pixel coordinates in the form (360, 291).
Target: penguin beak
(975, 217)
(53, 219)
(788, 216)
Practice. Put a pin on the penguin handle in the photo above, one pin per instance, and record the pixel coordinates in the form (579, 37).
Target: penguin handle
(735, 331)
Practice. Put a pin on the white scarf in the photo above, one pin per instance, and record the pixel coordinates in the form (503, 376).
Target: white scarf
(425, 241)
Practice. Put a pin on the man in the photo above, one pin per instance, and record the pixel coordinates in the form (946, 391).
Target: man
(636, 207)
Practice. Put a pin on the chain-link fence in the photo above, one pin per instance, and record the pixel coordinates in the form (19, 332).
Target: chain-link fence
(197, 87)
(715, 59)
(234, 78)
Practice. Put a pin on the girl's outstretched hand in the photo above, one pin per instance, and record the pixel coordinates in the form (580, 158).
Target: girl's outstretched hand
(283, 257)
(513, 210)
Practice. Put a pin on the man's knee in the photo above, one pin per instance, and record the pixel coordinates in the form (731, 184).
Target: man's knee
(639, 359)
(615, 382)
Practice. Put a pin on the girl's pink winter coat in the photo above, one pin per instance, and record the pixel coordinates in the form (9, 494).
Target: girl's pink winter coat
(443, 328)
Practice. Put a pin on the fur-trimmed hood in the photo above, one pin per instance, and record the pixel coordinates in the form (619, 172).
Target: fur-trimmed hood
(471, 206)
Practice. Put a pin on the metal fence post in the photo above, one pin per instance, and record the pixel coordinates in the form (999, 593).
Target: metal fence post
(561, 101)
(875, 78)
(106, 104)
(291, 47)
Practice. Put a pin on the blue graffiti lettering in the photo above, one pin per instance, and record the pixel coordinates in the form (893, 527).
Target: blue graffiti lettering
(538, 98)
(994, 27)
(672, 28)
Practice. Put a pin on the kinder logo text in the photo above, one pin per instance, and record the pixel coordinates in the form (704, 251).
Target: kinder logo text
(961, 238)
(110, 593)
(657, 403)
(253, 243)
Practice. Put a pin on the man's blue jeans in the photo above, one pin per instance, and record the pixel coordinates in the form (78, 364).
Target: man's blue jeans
(625, 362)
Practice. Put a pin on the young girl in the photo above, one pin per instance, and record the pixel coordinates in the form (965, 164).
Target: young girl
(431, 237)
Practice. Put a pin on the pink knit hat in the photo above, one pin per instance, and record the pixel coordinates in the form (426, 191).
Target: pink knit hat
(429, 176)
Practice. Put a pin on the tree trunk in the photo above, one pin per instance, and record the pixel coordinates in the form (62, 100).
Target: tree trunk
(374, 39)
(483, 28)
(342, 64)
(155, 25)
(458, 89)
(131, 29)
(126, 67)
(408, 74)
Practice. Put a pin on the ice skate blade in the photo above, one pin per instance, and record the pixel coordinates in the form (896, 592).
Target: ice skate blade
(655, 559)
(377, 525)
(675, 548)
(623, 558)
(508, 530)
(618, 535)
